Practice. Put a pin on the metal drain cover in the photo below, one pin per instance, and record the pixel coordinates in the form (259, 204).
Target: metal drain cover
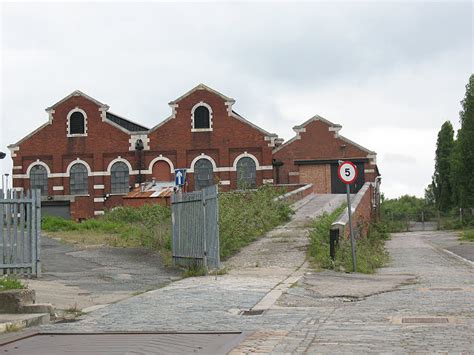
(120, 343)
(425, 320)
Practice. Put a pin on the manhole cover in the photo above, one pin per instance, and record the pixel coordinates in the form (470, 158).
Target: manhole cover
(426, 320)
(120, 343)
(252, 312)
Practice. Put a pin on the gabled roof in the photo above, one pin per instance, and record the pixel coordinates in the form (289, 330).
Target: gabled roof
(125, 123)
(78, 93)
(336, 127)
(201, 87)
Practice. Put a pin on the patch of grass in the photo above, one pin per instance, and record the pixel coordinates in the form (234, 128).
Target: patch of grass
(370, 251)
(147, 226)
(246, 215)
(194, 270)
(10, 283)
(11, 328)
(468, 234)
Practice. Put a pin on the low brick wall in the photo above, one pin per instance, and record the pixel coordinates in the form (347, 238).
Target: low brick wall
(362, 213)
(300, 192)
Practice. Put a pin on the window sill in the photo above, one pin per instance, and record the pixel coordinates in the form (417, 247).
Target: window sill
(78, 135)
(201, 129)
(81, 195)
(119, 194)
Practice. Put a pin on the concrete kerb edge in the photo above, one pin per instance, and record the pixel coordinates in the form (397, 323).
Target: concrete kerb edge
(450, 253)
(37, 319)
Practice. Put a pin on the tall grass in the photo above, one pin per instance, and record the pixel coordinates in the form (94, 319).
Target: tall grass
(246, 215)
(243, 217)
(370, 251)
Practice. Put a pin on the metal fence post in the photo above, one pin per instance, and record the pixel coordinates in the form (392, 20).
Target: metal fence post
(38, 233)
(204, 228)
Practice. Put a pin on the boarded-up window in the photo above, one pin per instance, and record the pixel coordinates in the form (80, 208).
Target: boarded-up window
(203, 174)
(39, 179)
(246, 173)
(119, 175)
(78, 179)
(77, 123)
(201, 117)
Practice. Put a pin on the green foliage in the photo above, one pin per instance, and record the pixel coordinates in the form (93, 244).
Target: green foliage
(246, 215)
(370, 251)
(318, 250)
(468, 234)
(442, 176)
(10, 283)
(466, 147)
(148, 226)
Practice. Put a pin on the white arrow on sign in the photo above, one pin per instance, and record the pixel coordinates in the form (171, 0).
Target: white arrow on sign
(179, 177)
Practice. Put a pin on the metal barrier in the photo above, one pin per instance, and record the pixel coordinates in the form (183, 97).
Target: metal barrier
(195, 218)
(20, 231)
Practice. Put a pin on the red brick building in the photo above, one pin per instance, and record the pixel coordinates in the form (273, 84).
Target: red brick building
(312, 156)
(85, 158)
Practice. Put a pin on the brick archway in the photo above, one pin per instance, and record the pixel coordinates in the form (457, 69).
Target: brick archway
(161, 171)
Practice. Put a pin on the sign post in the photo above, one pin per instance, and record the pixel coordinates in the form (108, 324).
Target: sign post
(348, 174)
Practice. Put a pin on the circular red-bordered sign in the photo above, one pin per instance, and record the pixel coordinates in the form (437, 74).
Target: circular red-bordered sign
(347, 172)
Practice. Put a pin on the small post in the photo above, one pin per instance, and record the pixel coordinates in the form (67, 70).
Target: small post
(438, 220)
(333, 241)
(423, 219)
(354, 262)
(460, 215)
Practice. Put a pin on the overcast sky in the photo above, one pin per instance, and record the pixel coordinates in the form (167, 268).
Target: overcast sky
(389, 73)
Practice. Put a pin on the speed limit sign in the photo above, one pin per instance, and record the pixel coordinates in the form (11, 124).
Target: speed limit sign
(347, 172)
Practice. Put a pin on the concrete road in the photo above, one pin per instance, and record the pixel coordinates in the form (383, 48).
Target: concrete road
(422, 302)
(80, 278)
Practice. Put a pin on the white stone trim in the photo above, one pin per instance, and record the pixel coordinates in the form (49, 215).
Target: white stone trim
(99, 187)
(119, 159)
(13, 149)
(373, 158)
(134, 137)
(159, 158)
(368, 171)
(76, 109)
(99, 199)
(78, 160)
(50, 115)
(265, 167)
(294, 173)
(268, 181)
(38, 162)
(17, 167)
(99, 213)
(336, 130)
(245, 155)
(204, 156)
(206, 105)
(58, 188)
(224, 182)
(18, 189)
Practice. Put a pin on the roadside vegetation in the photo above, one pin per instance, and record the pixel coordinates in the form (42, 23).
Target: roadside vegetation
(370, 251)
(246, 215)
(10, 283)
(243, 217)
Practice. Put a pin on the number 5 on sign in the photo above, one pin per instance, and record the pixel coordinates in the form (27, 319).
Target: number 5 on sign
(347, 172)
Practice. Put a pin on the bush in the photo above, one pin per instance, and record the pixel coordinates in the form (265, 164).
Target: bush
(468, 234)
(10, 283)
(370, 251)
(246, 215)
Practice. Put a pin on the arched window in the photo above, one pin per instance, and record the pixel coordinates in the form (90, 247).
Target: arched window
(202, 118)
(78, 180)
(77, 123)
(203, 174)
(119, 175)
(39, 179)
(246, 173)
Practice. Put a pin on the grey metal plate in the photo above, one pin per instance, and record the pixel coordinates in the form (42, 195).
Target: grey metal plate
(122, 343)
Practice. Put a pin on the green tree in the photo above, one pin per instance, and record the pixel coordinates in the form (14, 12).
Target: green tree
(466, 147)
(442, 176)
